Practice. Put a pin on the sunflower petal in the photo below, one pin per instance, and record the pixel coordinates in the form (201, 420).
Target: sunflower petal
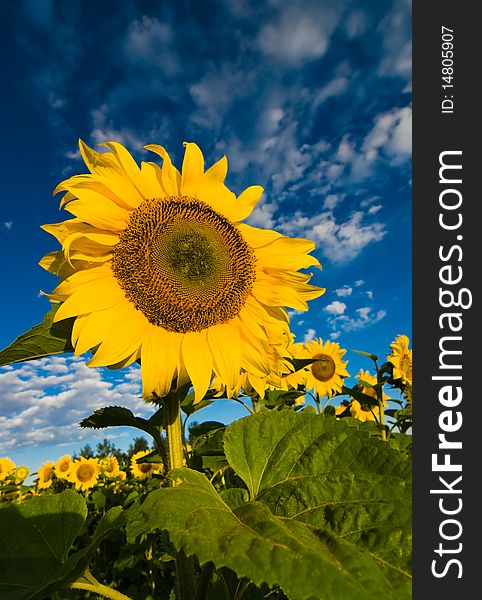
(159, 355)
(224, 343)
(192, 169)
(198, 362)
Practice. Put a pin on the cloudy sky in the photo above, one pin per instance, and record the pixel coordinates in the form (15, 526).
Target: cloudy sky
(309, 98)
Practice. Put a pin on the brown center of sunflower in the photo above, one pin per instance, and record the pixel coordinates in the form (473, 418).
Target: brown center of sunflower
(47, 474)
(324, 368)
(183, 265)
(64, 466)
(85, 473)
(144, 467)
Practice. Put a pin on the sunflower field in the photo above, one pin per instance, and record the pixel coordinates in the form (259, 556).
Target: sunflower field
(308, 497)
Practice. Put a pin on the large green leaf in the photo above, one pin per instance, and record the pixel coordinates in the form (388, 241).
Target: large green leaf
(328, 517)
(332, 476)
(35, 540)
(256, 544)
(35, 543)
(45, 339)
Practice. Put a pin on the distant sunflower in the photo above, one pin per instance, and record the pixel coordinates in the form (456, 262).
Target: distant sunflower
(365, 413)
(143, 470)
(326, 374)
(110, 466)
(7, 467)
(44, 475)
(84, 473)
(157, 266)
(62, 467)
(401, 359)
(21, 473)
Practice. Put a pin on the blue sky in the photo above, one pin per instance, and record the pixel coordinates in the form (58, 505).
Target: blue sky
(310, 99)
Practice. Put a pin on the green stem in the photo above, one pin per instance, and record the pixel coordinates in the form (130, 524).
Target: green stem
(101, 590)
(184, 565)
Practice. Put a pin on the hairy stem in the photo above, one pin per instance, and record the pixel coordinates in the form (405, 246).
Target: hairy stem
(175, 453)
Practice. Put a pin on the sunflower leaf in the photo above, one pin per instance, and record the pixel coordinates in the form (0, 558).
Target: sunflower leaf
(367, 354)
(45, 339)
(35, 542)
(118, 416)
(301, 363)
(326, 514)
(255, 543)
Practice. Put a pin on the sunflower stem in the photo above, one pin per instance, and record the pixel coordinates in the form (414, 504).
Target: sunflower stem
(381, 420)
(186, 582)
(98, 588)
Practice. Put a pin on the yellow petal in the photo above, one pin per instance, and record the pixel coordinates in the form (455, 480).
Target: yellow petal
(98, 295)
(124, 338)
(217, 196)
(192, 169)
(198, 361)
(257, 238)
(288, 254)
(152, 176)
(219, 170)
(159, 357)
(62, 230)
(105, 215)
(246, 201)
(225, 347)
(129, 166)
(170, 176)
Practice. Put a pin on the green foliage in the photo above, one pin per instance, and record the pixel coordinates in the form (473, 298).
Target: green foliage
(45, 339)
(117, 416)
(36, 539)
(328, 515)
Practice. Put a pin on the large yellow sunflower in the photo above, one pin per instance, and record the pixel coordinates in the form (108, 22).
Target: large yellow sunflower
(7, 467)
(143, 470)
(44, 475)
(325, 375)
(62, 467)
(84, 473)
(158, 266)
(401, 359)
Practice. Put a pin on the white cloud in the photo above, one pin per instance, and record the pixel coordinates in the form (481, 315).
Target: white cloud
(344, 291)
(335, 308)
(331, 201)
(309, 335)
(105, 131)
(298, 33)
(148, 44)
(365, 317)
(8, 224)
(339, 241)
(45, 400)
(262, 215)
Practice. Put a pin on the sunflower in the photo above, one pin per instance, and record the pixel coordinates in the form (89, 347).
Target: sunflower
(326, 374)
(21, 473)
(363, 413)
(7, 467)
(44, 475)
(110, 466)
(143, 470)
(401, 359)
(62, 467)
(84, 473)
(157, 265)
